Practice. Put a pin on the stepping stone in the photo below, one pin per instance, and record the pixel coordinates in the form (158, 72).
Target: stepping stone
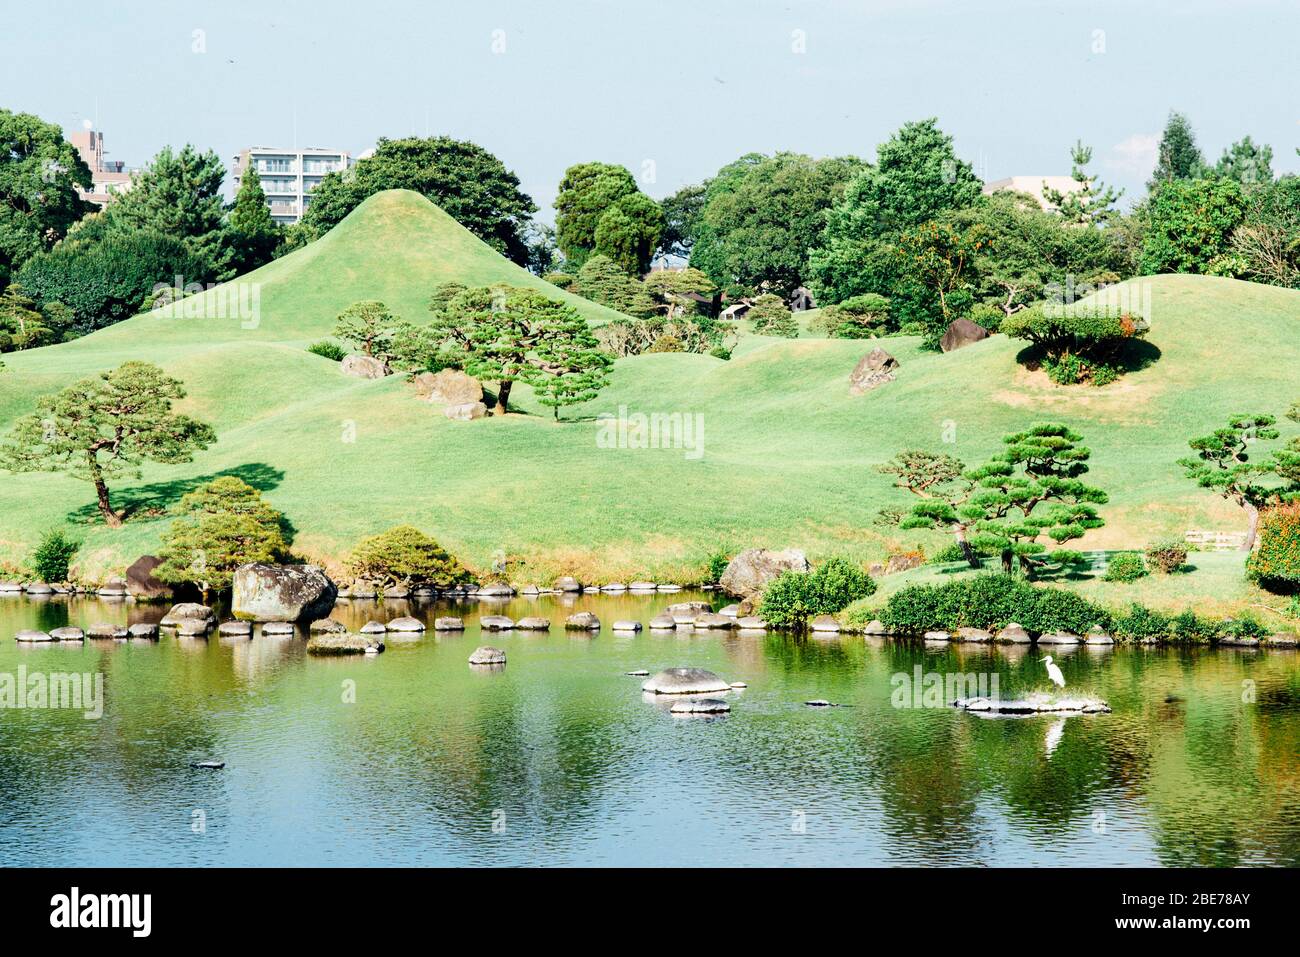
(208, 765)
(936, 636)
(487, 655)
(566, 583)
(582, 621)
(142, 630)
(278, 628)
(1059, 638)
(731, 611)
(641, 586)
(1013, 634)
(685, 681)
(192, 627)
(374, 628)
(533, 623)
(824, 623)
(668, 588)
(326, 626)
(448, 624)
(103, 630)
(751, 623)
(818, 703)
(408, 624)
(31, 636)
(397, 592)
(70, 634)
(627, 626)
(237, 629)
(342, 643)
(39, 588)
(497, 590)
(874, 627)
(974, 635)
(614, 587)
(1037, 703)
(1096, 636)
(495, 623)
(708, 620)
(662, 623)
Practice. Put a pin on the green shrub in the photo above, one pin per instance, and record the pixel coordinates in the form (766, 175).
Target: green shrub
(1247, 626)
(405, 555)
(718, 563)
(1141, 624)
(796, 596)
(327, 350)
(53, 555)
(1078, 343)
(1167, 556)
(989, 601)
(858, 317)
(1191, 629)
(952, 552)
(221, 526)
(1125, 567)
(771, 317)
(1275, 564)
(987, 315)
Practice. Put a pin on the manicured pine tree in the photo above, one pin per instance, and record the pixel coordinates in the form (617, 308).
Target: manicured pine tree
(103, 427)
(1091, 201)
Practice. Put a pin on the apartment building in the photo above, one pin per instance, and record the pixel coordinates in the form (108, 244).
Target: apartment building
(107, 176)
(289, 175)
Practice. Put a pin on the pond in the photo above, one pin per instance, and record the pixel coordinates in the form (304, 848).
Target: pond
(413, 757)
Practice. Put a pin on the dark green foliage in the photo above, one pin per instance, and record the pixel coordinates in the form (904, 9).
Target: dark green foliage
(1089, 202)
(1191, 224)
(1142, 625)
(107, 281)
(628, 232)
(1179, 158)
(466, 181)
(770, 317)
(1276, 563)
(220, 526)
(252, 236)
(327, 350)
(601, 280)
(796, 596)
(1168, 556)
(858, 317)
(1225, 463)
(760, 214)
(405, 555)
(1083, 343)
(717, 564)
(1247, 163)
(990, 602)
(1125, 567)
(370, 327)
(682, 212)
(52, 556)
(39, 176)
(599, 209)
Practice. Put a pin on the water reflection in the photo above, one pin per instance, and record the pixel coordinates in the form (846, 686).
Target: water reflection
(415, 757)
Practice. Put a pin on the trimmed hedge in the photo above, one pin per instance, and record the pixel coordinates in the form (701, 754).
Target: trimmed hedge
(795, 597)
(991, 602)
(1275, 565)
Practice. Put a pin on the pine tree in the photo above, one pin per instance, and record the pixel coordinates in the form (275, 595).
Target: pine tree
(1090, 201)
(251, 234)
(98, 428)
(1179, 157)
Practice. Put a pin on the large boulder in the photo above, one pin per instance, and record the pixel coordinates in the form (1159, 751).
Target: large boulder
(141, 583)
(301, 593)
(872, 371)
(365, 367)
(961, 333)
(750, 572)
(448, 387)
(685, 681)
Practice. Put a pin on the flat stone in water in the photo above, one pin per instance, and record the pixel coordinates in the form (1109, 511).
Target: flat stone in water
(685, 681)
(72, 634)
(448, 624)
(496, 623)
(278, 628)
(335, 643)
(487, 655)
(751, 623)
(701, 706)
(663, 623)
(236, 629)
(31, 635)
(142, 630)
(641, 586)
(1059, 638)
(936, 636)
(638, 674)
(1013, 634)
(327, 625)
(709, 620)
(1036, 703)
(974, 635)
(407, 623)
(582, 621)
(374, 628)
(208, 765)
(627, 626)
(824, 623)
(103, 630)
(533, 623)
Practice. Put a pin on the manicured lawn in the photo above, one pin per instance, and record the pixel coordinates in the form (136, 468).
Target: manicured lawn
(789, 458)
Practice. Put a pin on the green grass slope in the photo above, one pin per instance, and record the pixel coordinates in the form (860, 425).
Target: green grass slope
(789, 458)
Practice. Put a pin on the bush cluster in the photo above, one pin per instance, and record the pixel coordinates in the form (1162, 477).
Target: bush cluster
(795, 597)
(53, 555)
(992, 602)
(1145, 625)
(1275, 564)
(405, 555)
(1125, 567)
(327, 350)
(1167, 556)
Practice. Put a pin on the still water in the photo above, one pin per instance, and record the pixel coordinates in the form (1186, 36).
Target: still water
(412, 757)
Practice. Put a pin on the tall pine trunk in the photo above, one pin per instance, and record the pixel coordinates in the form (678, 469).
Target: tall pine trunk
(111, 518)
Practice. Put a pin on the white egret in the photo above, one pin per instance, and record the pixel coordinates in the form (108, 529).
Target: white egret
(1054, 672)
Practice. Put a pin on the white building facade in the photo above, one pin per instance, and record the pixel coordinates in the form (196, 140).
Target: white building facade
(289, 175)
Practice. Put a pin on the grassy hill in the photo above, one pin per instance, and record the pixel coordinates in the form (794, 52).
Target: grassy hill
(789, 457)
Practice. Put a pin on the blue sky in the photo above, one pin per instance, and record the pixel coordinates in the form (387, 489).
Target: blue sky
(672, 90)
